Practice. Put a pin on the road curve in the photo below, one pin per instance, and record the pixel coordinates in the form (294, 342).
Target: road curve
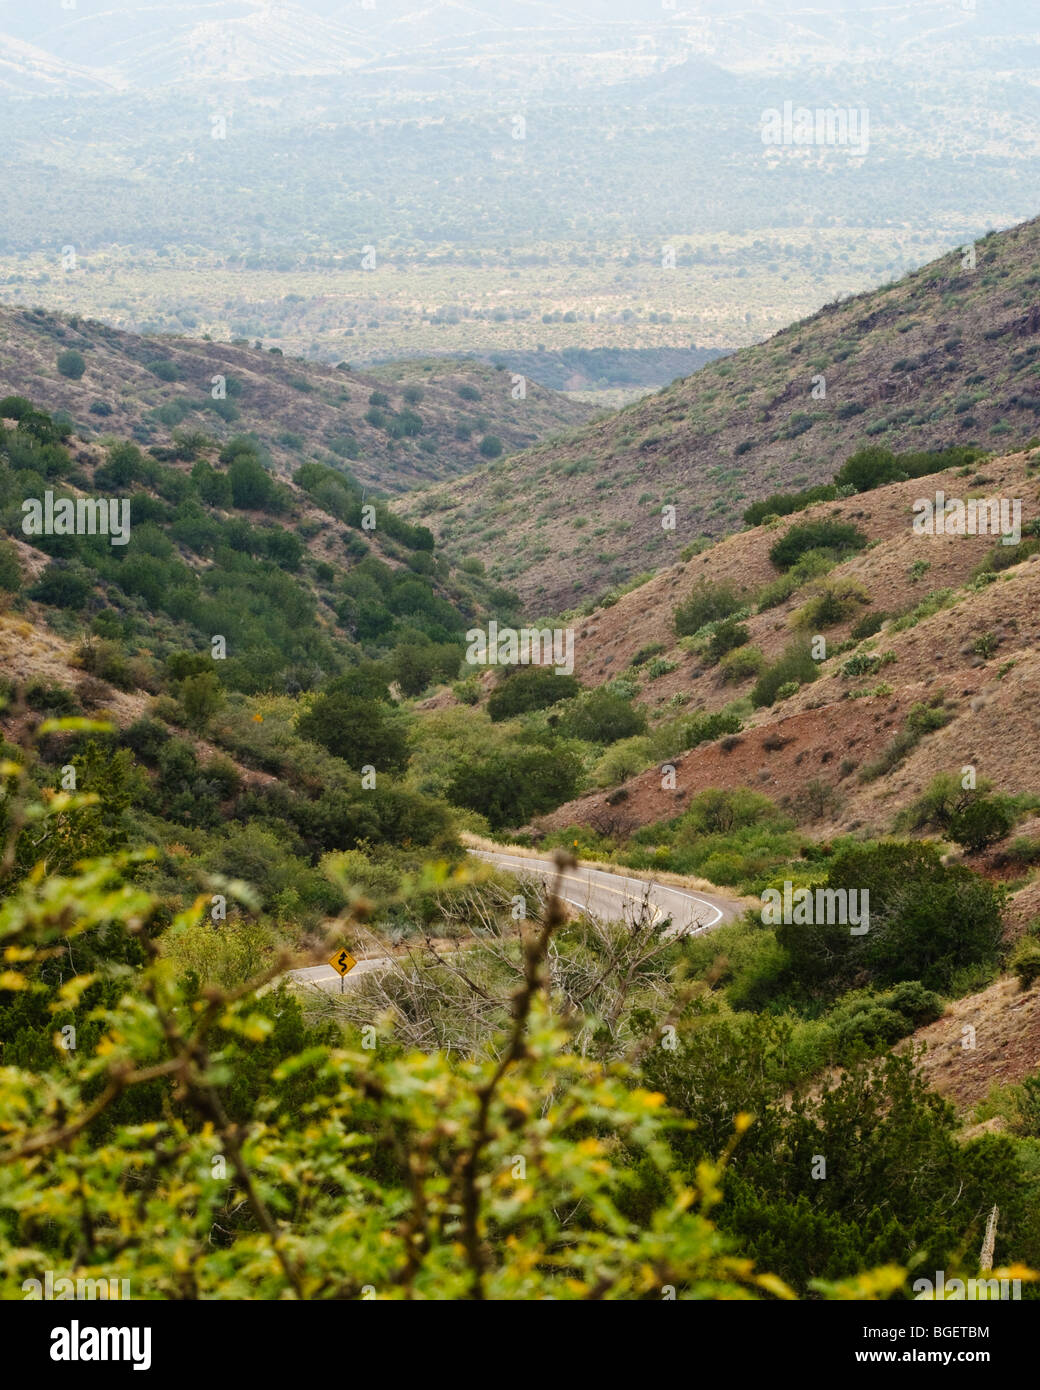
(609, 895)
(596, 891)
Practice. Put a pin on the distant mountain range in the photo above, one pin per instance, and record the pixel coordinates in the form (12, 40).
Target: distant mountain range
(139, 46)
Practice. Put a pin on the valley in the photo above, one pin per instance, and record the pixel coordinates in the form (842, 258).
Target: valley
(520, 671)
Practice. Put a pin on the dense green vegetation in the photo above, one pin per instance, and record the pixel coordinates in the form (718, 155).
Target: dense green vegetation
(230, 1088)
(296, 661)
(182, 826)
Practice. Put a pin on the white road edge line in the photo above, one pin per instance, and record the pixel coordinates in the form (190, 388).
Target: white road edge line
(547, 864)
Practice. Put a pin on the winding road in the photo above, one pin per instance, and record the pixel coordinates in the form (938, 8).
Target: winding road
(596, 891)
(609, 895)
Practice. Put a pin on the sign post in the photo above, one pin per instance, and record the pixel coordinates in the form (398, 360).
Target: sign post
(344, 963)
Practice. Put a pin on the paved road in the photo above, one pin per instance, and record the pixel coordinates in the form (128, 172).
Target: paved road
(595, 891)
(326, 978)
(609, 895)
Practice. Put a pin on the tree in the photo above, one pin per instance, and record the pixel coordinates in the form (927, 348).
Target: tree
(361, 732)
(530, 688)
(927, 919)
(514, 784)
(979, 823)
(10, 570)
(491, 446)
(214, 488)
(603, 717)
(283, 547)
(413, 667)
(416, 664)
(71, 364)
(124, 465)
(61, 587)
(201, 696)
(251, 485)
(369, 681)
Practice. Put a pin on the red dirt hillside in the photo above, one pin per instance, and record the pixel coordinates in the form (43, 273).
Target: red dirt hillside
(980, 654)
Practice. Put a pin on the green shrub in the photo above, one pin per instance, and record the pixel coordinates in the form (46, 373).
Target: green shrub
(513, 784)
(834, 604)
(534, 688)
(727, 636)
(921, 720)
(359, 731)
(869, 468)
(925, 718)
(71, 364)
(927, 920)
(252, 487)
(467, 692)
(786, 503)
(932, 603)
(874, 466)
(691, 731)
(707, 603)
(1002, 557)
(812, 565)
(839, 537)
(1025, 962)
(1023, 852)
(51, 699)
(866, 663)
(61, 587)
(603, 717)
(868, 626)
(879, 1020)
(741, 664)
(980, 823)
(795, 667)
(10, 570)
(645, 653)
(660, 666)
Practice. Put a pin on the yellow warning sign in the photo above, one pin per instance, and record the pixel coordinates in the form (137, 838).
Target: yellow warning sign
(343, 961)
